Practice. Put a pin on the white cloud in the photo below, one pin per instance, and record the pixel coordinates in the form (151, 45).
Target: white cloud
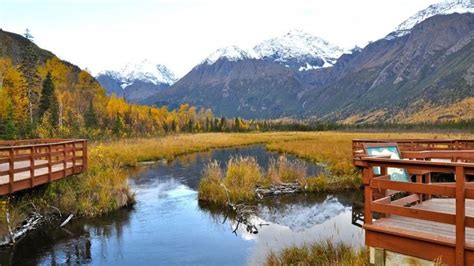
(105, 34)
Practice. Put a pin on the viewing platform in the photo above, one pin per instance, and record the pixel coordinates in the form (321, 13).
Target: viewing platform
(28, 163)
(419, 200)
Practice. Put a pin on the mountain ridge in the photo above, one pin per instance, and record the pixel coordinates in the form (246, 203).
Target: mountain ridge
(378, 79)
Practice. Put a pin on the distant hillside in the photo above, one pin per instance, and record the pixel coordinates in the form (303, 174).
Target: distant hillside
(247, 88)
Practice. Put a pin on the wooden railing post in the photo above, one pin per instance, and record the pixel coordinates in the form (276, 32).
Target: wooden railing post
(368, 194)
(32, 166)
(84, 155)
(11, 169)
(50, 170)
(64, 159)
(460, 215)
(74, 157)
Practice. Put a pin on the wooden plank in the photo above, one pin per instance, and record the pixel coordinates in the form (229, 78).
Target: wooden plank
(406, 200)
(409, 246)
(413, 187)
(469, 193)
(413, 213)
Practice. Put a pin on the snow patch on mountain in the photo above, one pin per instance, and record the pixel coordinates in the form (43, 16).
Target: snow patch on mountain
(301, 46)
(231, 53)
(147, 71)
(144, 71)
(442, 8)
(297, 49)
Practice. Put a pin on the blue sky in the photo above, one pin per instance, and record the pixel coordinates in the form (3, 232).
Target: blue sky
(106, 34)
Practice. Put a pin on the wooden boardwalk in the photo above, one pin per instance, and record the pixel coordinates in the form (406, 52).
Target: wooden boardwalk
(29, 163)
(420, 218)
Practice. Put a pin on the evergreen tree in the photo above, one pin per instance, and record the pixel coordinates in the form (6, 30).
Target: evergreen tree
(191, 126)
(118, 125)
(208, 125)
(49, 101)
(215, 125)
(237, 125)
(90, 116)
(223, 123)
(10, 131)
(29, 61)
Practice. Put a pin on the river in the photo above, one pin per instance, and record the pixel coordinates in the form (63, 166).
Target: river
(168, 226)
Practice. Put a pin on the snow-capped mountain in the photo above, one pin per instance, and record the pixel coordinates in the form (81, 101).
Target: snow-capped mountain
(231, 53)
(137, 80)
(296, 49)
(442, 8)
(144, 71)
(300, 50)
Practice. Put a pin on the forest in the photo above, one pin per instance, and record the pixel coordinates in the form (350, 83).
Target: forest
(51, 100)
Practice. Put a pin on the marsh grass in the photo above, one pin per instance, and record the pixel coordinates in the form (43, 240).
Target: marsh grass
(241, 176)
(320, 253)
(237, 181)
(285, 171)
(334, 149)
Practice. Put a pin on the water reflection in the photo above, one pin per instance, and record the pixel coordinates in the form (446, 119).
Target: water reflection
(294, 220)
(72, 244)
(168, 226)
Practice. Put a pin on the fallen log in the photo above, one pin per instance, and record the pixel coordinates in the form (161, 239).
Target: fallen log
(278, 189)
(28, 225)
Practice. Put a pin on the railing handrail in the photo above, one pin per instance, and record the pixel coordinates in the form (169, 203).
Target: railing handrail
(460, 190)
(43, 144)
(411, 140)
(400, 162)
(19, 159)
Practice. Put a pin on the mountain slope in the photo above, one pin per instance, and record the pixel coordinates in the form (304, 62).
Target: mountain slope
(402, 75)
(442, 8)
(232, 88)
(263, 82)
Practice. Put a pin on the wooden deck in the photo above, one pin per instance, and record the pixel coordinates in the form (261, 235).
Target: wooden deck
(26, 164)
(422, 218)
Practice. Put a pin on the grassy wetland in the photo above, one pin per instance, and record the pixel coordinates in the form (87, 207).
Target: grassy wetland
(104, 187)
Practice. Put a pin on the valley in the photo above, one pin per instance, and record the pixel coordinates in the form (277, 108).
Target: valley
(278, 148)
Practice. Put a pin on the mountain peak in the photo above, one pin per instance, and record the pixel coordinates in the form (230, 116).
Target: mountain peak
(442, 8)
(299, 49)
(145, 70)
(231, 53)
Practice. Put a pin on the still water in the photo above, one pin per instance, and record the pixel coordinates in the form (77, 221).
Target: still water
(168, 226)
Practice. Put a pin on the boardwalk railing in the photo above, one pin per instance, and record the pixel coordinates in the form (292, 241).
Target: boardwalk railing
(421, 159)
(29, 163)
